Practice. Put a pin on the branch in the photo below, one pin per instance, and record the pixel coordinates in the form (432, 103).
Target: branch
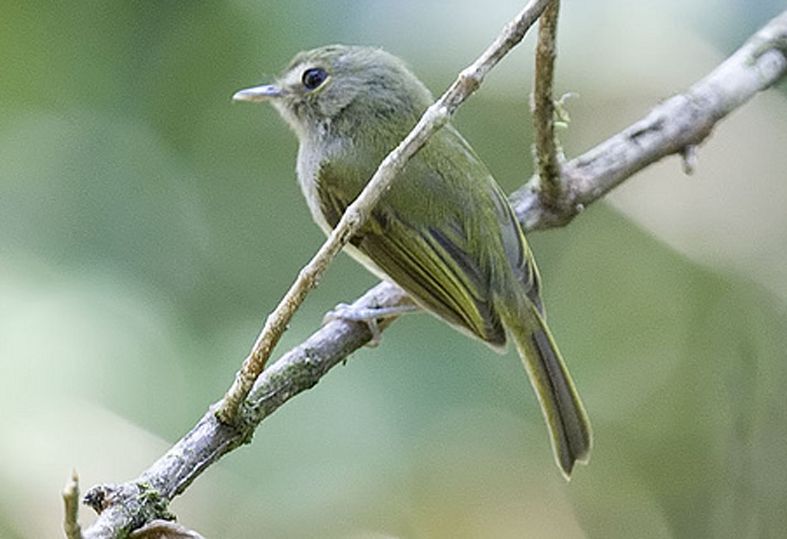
(684, 120)
(543, 105)
(435, 117)
(676, 126)
(71, 504)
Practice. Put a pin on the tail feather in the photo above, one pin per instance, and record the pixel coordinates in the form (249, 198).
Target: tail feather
(568, 423)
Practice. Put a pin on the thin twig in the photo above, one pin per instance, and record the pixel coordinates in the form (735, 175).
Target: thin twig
(356, 214)
(543, 105)
(757, 65)
(71, 502)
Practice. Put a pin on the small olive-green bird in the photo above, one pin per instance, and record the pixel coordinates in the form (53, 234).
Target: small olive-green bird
(444, 232)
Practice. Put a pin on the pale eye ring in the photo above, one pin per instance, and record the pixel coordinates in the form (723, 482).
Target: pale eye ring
(313, 77)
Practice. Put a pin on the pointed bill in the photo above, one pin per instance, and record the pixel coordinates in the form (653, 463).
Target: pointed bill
(257, 93)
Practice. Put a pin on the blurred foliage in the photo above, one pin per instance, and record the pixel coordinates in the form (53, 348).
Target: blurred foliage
(147, 225)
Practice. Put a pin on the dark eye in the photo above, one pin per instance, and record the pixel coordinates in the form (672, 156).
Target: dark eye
(313, 77)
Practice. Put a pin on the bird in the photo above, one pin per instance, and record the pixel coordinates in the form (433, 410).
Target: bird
(444, 231)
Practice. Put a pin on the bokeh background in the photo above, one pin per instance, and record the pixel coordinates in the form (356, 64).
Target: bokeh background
(147, 225)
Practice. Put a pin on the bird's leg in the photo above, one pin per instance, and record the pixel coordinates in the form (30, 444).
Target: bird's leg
(370, 316)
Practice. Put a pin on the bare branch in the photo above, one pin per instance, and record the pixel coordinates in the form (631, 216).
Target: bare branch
(681, 121)
(543, 105)
(672, 127)
(164, 529)
(125, 507)
(71, 505)
(357, 213)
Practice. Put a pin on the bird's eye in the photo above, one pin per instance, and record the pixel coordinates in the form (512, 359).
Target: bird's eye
(313, 77)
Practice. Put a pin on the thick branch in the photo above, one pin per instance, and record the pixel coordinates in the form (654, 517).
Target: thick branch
(436, 116)
(684, 120)
(543, 104)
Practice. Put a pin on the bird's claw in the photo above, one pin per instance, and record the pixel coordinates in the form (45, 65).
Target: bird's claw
(369, 316)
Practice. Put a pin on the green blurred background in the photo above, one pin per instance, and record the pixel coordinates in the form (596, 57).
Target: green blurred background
(147, 225)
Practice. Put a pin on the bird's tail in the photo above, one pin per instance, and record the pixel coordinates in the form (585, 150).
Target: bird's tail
(568, 423)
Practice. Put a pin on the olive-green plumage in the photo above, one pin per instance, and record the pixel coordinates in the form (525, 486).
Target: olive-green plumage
(444, 231)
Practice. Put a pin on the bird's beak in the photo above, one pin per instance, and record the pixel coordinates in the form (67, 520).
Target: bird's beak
(258, 93)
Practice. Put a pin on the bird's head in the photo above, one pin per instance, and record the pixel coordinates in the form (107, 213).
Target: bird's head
(346, 91)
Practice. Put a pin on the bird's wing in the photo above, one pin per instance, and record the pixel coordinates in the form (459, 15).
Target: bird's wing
(438, 234)
(431, 264)
(463, 164)
(517, 250)
(433, 267)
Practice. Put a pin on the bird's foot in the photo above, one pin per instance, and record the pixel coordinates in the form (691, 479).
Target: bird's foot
(370, 316)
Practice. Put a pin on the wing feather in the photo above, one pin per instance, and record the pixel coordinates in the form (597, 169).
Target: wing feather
(432, 269)
(425, 239)
(428, 263)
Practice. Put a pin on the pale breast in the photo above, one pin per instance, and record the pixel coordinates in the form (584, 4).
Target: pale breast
(307, 168)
